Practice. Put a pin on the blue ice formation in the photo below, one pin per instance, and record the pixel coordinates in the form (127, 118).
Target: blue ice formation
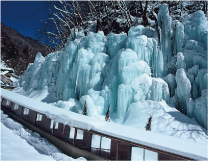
(120, 69)
(183, 90)
(164, 23)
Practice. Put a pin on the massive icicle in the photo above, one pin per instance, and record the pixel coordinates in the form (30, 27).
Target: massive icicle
(164, 22)
(182, 93)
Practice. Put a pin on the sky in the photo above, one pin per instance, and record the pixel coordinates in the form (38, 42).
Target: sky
(23, 16)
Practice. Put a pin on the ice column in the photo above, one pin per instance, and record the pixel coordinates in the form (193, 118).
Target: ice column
(200, 110)
(178, 37)
(164, 23)
(182, 92)
(180, 61)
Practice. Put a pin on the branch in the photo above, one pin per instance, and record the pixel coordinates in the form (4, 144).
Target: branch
(60, 9)
(57, 30)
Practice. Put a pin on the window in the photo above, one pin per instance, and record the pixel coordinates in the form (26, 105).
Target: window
(16, 106)
(56, 125)
(72, 130)
(51, 126)
(39, 117)
(137, 153)
(26, 111)
(143, 154)
(7, 102)
(80, 134)
(105, 144)
(95, 144)
(151, 155)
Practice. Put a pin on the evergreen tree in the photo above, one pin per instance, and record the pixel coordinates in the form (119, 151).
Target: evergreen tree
(85, 109)
(107, 116)
(148, 125)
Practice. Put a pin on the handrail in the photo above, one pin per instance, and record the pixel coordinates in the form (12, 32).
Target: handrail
(61, 133)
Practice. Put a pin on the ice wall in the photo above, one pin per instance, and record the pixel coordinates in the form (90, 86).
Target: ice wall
(115, 70)
(189, 47)
(120, 69)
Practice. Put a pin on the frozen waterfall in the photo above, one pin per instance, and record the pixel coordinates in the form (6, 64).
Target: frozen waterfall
(122, 71)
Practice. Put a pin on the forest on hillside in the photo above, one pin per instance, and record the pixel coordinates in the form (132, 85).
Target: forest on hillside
(107, 16)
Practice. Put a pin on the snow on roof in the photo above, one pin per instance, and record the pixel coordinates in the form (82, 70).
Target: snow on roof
(4, 72)
(158, 141)
(9, 69)
(4, 66)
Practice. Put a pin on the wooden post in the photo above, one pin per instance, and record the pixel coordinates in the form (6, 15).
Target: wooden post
(36, 117)
(117, 150)
(21, 111)
(100, 145)
(75, 136)
(10, 106)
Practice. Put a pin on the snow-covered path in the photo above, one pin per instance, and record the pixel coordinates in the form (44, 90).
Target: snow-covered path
(14, 147)
(18, 143)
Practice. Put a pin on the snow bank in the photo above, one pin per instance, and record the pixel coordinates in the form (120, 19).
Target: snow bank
(166, 120)
(33, 147)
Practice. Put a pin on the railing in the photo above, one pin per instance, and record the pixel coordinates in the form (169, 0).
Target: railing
(95, 143)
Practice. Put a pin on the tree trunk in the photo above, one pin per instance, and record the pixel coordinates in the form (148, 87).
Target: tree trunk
(144, 13)
(106, 10)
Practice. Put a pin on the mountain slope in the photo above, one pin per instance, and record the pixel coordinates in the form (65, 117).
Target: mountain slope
(17, 51)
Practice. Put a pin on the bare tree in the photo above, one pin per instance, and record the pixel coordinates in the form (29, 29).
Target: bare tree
(124, 8)
(144, 12)
(108, 16)
(85, 109)
(107, 116)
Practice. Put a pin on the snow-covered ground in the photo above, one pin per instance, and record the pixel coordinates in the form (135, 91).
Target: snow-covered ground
(19, 143)
(15, 148)
(165, 120)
